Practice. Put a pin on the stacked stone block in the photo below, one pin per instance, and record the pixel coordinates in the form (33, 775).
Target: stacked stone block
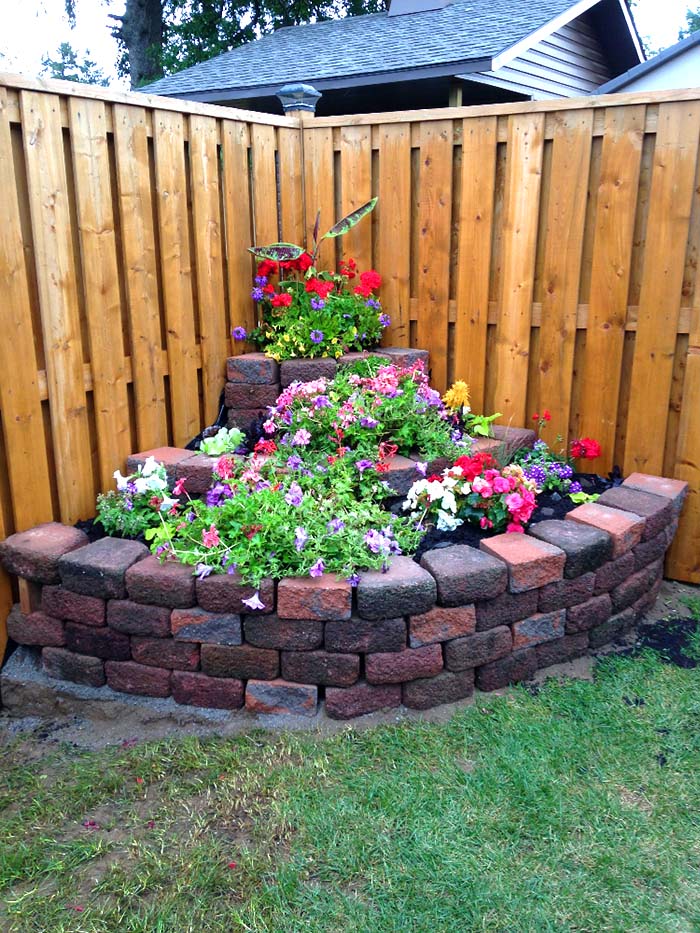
(419, 635)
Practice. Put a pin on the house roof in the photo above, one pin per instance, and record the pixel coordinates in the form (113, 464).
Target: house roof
(462, 36)
(644, 68)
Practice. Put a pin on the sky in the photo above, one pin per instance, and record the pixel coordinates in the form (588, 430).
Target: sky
(32, 29)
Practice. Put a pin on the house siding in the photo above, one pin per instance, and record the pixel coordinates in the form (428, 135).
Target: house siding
(569, 63)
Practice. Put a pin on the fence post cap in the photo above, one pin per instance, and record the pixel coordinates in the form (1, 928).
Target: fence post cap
(298, 97)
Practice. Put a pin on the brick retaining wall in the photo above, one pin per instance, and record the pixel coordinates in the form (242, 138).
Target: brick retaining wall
(421, 635)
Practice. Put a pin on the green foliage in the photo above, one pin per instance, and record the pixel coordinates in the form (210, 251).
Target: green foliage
(277, 252)
(351, 220)
(692, 18)
(225, 441)
(69, 66)
(137, 504)
(480, 425)
(580, 498)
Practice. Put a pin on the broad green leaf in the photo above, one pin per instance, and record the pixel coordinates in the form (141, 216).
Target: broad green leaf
(277, 252)
(348, 222)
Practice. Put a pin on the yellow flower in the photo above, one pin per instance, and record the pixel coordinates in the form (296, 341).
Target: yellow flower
(457, 396)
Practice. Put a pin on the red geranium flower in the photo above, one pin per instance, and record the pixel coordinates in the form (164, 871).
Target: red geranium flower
(586, 448)
(283, 300)
(546, 415)
(348, 269)
(269, 290)
(267, 267)
(265, 447)
(363, 290)
(321, 288)
(304, 262)
(371, 279)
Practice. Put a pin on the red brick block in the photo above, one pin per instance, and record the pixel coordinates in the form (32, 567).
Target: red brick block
(132, 618)
(401, 475)
(79, 669)
(320, 667)
(129, 677)
(642, 605)
(197, 472)
(240, 661)
(225, 593)
(279, 697)
(34, 554)
(634, 587)
(441, 624)
(656, 511)
(488, 445)
(347, 359)
(614, 628)
(250, 395)
(464, 574)
(252, 367)
(614, 573)
(624, 528)
(98, 642)
(360, 699)
(168, 456)
(564, 593)
(198, 625)
(289, 634)
(531, 563)
(364, 635)
(587, 615)
(242, 417)
(562, 649)
(515, 667)
(306, 370)
(445, 687)
(398, 666)
(651, 550)
(193, 689)
(586, 548)
(511, 439)
(673, 489)
(99, 569)
(480, 648)
(323, 597)
(75, 607)
(158, 652)
(37, 628)
(545, 626)
(169, 584)
(505, 609)
(406, 356)
(403, 589)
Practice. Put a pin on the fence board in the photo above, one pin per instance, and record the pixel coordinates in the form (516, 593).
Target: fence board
(561, 271)
(264, 175)
(208, 257)
(475, 235)
(168, 135)
(673, 178)
(138, 245)
(356, 190)
(612, 247)
(434, 222)
(520, 222)
(239, 231)
(394, 238)
(58, 299)
(100, 283)
(291, 185)
(20, 400)
(319, 189)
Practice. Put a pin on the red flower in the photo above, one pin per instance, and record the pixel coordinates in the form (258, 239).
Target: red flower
(265, 447)
(585, 449)
(536, 417)
(267, 267)
(363, 290)
(387, 450)
(474, 466)
(304, 262)
(371, 280)
(321, 288)
(546, 415)
(348, 269)
(382, 468)
(283, 300)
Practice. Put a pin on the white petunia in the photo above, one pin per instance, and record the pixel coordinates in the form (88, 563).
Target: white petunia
(121, 480)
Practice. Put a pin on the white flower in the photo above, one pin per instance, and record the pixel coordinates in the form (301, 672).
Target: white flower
(434, 490)
(167, 504)
(141, 484)
(446, 522)
(449, 503)
(121, 480)
(149, 467)
(254, 602)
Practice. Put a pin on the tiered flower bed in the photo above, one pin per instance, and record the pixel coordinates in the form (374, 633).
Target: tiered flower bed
(108, 613)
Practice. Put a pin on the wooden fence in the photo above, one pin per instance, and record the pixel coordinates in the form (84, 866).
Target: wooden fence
(546, 253)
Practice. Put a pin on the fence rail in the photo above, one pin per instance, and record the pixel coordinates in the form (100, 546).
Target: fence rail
(547, 253)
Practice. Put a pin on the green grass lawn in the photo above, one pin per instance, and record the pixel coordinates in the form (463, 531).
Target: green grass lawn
(575, 809)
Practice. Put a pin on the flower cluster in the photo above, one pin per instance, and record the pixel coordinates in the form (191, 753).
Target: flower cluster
(304, 312)
(138, 502)
(474, 490)
(585, 448)
(364, 406)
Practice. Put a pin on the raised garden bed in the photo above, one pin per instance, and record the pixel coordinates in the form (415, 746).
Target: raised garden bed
(108, 614)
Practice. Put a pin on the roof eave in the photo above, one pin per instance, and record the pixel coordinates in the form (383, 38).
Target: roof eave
(445, 69)
(650, 65)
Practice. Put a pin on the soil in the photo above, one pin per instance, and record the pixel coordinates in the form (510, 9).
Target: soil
(671, 639)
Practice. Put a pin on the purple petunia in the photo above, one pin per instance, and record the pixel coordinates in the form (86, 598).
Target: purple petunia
(384, 320)
(301, 536)
(317, 569)
(239, 333)
(294, 462)
(318, 304)
(335, 525)
(128, 504)
(294, 495)
(368, 422)
(372, 303)
(353, 579)
(254, 602)
(316, 336)
(363, 465)
(322, 401)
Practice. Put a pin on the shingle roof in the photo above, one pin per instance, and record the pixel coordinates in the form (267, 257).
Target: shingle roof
(464, 30)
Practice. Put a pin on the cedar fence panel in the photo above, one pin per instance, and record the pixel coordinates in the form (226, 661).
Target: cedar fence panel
(547, 253)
